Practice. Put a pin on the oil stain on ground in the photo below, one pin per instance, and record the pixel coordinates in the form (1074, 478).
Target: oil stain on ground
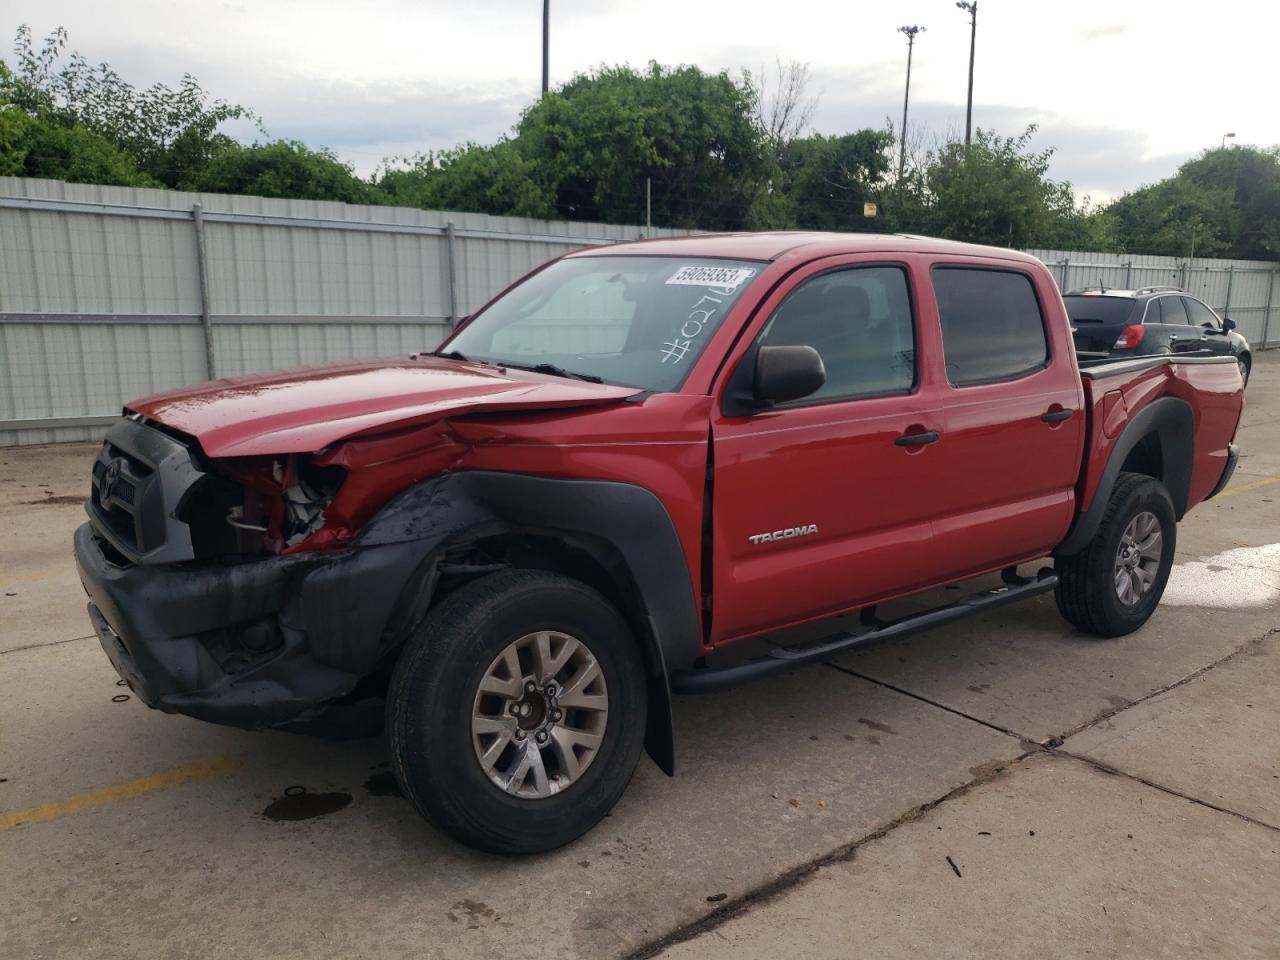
(298, 804)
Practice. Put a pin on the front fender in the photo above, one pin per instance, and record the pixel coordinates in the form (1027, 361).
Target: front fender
(625, 528)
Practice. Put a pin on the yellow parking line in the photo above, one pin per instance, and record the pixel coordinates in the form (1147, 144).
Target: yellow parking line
(1246, 487)
(203, 770)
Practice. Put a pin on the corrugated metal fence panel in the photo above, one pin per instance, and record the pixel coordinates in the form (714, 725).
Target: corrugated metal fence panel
(100, 288)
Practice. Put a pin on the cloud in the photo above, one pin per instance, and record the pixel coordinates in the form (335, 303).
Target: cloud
(1103, 31)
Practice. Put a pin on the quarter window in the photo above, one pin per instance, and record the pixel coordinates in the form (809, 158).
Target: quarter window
(992, 327)
(859, 321)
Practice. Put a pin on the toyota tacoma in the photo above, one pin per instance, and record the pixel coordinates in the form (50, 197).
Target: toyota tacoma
(512, 551)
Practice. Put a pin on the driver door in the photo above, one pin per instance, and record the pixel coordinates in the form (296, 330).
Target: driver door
(818, 504)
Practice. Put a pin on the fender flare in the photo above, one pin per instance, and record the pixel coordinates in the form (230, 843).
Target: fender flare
(1173, 421)
(625, 528)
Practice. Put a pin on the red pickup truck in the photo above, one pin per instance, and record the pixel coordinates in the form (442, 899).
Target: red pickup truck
(515, 548)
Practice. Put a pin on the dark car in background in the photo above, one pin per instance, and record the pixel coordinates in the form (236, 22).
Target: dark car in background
(1151, 321)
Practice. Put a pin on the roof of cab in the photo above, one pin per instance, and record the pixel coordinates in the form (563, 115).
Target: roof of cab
(771, 246)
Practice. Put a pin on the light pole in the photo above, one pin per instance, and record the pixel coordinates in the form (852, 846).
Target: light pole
(906, 97)
(1226, 137)
(973, 39)
(546, 44)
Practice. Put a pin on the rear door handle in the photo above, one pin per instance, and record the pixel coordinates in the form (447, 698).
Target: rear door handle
(1053, 416)
(917, 439)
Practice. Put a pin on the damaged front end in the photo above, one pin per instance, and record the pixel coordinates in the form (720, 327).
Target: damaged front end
(233, 590)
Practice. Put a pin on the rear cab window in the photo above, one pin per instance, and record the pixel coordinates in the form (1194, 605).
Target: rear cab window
(992, 325)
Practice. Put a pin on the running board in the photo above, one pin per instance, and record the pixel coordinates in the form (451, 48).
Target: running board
(706, 680)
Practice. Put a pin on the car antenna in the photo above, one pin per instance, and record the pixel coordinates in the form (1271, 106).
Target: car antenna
(1101, 286)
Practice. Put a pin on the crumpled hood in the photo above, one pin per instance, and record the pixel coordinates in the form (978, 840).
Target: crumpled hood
(305, 410)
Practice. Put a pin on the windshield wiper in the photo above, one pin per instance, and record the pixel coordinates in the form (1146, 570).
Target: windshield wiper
(452, 355)
(555, 371)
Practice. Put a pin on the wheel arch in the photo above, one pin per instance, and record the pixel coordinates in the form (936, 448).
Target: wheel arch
(1159, 441)
(616, 537)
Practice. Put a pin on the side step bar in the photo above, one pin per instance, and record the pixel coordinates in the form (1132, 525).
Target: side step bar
(1016, 588)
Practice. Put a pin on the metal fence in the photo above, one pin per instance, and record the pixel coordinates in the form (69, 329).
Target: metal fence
(111, 293)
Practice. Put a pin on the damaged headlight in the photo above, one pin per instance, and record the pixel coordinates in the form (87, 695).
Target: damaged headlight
(259, 506)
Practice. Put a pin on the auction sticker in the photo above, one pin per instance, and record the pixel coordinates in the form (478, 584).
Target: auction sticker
(728, 277)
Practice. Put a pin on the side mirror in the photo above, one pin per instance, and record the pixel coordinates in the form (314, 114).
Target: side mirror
(787, 373)
(1228, 324)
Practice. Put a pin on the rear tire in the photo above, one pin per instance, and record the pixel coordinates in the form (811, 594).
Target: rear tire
(465, 754)
(1114, 584)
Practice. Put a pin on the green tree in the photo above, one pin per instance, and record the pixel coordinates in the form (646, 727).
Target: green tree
(827, 180)
(499, 180)
(593, 143)
(283, 168)
(995, 191)
(42, 148)
(1252, 179)
(1176, 217)
(171, 134)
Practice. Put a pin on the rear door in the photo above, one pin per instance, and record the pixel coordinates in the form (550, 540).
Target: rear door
(820, 505)
(1004, 482)
(1215, 338)
(1169, 329)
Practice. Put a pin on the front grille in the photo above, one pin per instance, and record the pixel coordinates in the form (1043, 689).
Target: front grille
(132, 500)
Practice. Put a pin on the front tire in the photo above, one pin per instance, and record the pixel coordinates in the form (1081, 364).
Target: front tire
(517, 712)
(1113, 585)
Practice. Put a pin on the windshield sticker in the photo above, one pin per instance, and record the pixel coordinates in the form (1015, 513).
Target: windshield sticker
(727, 278)
(675, 349)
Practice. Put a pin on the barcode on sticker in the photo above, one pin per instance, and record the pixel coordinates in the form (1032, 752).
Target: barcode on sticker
(727, 277)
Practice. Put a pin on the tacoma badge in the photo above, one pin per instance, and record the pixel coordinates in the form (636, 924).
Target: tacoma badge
(786, 534)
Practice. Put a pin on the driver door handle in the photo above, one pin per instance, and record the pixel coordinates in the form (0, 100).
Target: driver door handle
(917, 439)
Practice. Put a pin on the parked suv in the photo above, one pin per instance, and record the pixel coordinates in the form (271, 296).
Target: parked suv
(1151, 320)
(625, 464)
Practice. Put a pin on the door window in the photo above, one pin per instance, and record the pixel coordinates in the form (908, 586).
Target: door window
(1201, 316)
(859, 321)
(1153, 313)
(992, 327)
(1172, 310)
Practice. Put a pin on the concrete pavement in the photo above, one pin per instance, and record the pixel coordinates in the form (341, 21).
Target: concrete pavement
(804, 817)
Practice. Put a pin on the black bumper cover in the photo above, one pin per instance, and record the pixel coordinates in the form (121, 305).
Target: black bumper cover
(329, 615)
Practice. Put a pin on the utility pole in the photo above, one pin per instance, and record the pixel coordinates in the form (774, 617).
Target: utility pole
(906, 98)
(546, 44)
(973, 40)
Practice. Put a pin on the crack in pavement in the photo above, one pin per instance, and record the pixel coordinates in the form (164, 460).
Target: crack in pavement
(1110, 712)
(1117, 772)
(1050, 748)
(798, 874)
(1027, 741)
(47, 643)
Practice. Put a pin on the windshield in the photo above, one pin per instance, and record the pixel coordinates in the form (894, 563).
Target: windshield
(638, 321)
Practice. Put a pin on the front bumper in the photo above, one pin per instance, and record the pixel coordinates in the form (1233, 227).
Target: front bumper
(269, 642)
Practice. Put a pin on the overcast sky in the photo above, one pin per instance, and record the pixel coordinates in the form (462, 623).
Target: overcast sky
(1124, 89)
